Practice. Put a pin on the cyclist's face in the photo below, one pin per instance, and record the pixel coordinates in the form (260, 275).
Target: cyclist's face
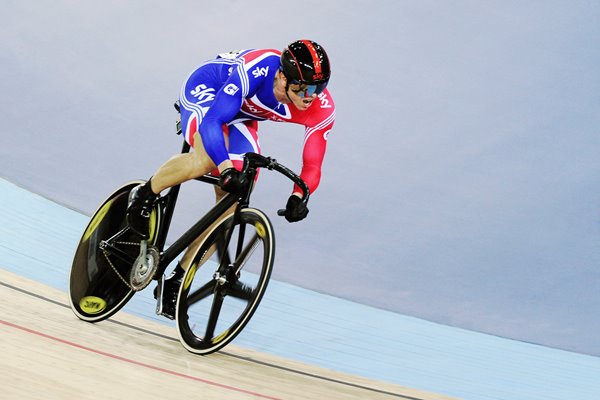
(300, 96)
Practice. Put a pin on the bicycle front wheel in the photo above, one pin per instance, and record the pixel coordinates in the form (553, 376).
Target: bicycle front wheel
(226, 281)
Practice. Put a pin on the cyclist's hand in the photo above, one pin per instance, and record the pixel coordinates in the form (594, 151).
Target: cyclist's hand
(232, 180)
(295, 209)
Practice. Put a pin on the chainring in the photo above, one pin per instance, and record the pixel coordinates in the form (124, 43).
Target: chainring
(144, 269)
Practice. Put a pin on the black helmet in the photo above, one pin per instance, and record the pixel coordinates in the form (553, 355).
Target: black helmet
(306, 62)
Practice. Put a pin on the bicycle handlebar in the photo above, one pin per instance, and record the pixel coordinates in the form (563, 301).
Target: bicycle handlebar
(254, 160)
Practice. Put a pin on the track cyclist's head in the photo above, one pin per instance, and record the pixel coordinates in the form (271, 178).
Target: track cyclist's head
(305, 67)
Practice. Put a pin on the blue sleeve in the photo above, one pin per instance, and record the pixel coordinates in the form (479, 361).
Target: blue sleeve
(226, 105)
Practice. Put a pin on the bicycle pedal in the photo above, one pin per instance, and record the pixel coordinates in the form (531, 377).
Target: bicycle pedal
(160, 308)
(158, 295)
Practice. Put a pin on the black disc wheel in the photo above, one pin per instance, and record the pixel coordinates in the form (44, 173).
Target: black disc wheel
(99, 283)
(226, 281)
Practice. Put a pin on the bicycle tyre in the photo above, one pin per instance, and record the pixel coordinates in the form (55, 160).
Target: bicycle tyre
(211, 314)
(98, 285)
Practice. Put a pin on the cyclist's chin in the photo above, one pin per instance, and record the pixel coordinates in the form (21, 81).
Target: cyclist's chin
(301, 105)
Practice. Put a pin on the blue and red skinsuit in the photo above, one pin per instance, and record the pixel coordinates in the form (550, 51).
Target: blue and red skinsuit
(227, 96)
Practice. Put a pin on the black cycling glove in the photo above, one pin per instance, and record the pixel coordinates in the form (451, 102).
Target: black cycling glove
(232, 180)
(295, 209)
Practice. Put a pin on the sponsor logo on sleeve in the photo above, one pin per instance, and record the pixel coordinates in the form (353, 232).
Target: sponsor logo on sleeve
(324, 101)
(203, 93)
(231, 89)
(260, 71)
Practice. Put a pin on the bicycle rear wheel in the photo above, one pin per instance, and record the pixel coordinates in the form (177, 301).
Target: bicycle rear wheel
(226, 281)
(99, 280)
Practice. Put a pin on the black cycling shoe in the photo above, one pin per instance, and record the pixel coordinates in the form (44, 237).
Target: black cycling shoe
(166, 293)
(139, 208)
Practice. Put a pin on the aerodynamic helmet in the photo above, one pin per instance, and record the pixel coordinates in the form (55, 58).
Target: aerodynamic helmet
(306, 62)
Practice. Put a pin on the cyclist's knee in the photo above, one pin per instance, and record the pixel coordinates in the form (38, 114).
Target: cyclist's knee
(201, 162)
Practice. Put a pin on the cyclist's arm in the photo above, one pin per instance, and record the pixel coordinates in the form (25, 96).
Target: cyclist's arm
(227, 104)
(315, 144)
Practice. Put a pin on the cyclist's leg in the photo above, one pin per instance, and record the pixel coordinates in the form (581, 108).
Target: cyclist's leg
(242, 138)
(180, 168)
(183, 167)
(193, 107)
(190, 252)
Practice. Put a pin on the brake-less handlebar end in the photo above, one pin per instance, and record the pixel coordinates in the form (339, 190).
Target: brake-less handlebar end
(254, 160)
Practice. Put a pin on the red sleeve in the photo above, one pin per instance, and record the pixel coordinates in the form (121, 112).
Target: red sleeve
(315, 144)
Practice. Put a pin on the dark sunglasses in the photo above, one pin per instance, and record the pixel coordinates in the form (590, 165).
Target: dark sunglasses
(308, 90)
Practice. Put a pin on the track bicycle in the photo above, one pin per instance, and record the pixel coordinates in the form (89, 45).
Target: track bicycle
(225, 282)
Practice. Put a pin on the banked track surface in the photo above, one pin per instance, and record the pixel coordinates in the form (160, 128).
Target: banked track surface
(46, 351)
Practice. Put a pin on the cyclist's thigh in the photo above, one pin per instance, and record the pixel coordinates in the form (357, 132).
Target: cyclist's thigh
(242, 138)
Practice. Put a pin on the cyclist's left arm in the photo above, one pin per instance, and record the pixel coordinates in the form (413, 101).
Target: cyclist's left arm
(313, 153)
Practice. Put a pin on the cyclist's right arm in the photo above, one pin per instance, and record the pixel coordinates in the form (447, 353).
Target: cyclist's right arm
(227, 104)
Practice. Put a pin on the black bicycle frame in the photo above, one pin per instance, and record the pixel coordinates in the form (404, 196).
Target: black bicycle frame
(168, 202)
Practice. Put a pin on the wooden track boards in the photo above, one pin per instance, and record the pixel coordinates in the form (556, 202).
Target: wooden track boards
(48, 353)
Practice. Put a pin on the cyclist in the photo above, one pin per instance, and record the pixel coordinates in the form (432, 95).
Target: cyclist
(221, 103)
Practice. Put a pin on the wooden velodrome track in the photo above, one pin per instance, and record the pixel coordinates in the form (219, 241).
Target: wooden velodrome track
(47, 353)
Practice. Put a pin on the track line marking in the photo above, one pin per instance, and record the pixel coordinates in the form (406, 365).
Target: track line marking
(134, 362)
(226, 353)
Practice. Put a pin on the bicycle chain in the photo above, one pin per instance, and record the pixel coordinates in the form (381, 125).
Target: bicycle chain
(105, 252)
